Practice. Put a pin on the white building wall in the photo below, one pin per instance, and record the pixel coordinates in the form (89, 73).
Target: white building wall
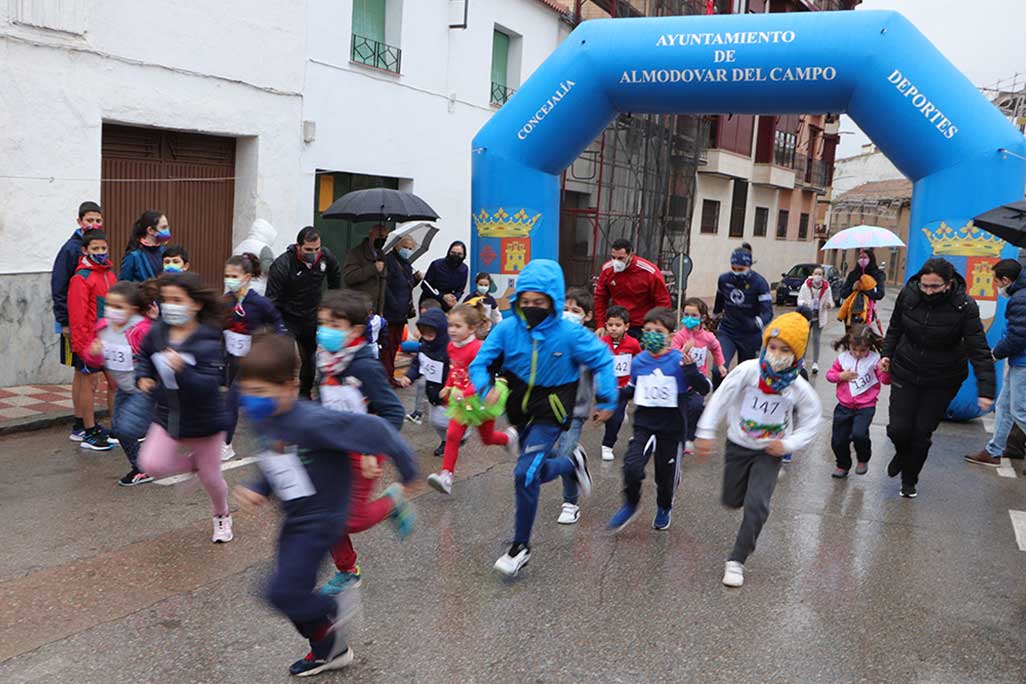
(870, 165)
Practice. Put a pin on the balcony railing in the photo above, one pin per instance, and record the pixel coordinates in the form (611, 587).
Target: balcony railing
(376, 54)
(501, 94)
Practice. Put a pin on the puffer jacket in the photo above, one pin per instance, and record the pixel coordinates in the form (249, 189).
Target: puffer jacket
(295, 287)
(929, 341)
(1012, 344)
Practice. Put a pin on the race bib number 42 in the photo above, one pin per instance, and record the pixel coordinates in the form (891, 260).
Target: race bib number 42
(765, 416)
(622, 365)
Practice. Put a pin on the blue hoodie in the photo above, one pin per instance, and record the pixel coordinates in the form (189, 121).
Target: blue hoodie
(436, 350)
(542, 364)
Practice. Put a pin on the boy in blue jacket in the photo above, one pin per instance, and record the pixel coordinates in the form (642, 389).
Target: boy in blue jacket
(538, 354)
(662, 382)
(306, 465)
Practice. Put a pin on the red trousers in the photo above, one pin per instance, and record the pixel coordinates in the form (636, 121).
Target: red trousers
(454, 435)
(388, 352)
(363, 515)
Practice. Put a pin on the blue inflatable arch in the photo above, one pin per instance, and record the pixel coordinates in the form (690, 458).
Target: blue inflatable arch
(933, 124)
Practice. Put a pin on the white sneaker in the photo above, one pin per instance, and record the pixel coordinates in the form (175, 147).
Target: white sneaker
(222, 529)
(513, 561)
(580, 461)
(227, 452)
(734, 574)
(513, 446)
(607, 453)
(570, 514)
(815, 368)
(441, 481)
(689, 447)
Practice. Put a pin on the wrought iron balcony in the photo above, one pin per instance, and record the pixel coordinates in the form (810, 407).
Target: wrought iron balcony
(501, 94)
(376, 54)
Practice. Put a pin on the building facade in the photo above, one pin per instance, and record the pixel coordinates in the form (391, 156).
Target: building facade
(884, 203)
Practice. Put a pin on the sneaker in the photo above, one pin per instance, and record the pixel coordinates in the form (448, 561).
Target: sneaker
(570, 514)
(984, 459)
(134, 477)
(894, 467)
(342, 581)
(441, 481)
(112, 437)
(227, 452)
(107, 434)
(311, 664)
(862, 468)
(839, 473)
(787, 458)
(77, 434)
(909, 491)
(662, 519)
(815, 368)
(607, 453)
(513, 445)
(97, 441)
(402, 516)
(623, 517)
(580, 461)
(222, 529)
(514, 560)
(734, 574)
(689, 447)
(415, 417)
(440, 451)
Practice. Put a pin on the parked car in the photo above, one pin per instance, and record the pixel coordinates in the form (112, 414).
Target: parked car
(791, 282)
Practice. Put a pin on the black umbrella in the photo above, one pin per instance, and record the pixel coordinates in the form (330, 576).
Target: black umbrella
(380, 204)
(1008, 222)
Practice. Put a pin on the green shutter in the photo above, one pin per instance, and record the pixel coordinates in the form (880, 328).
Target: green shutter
(500, 58)
(369, 19)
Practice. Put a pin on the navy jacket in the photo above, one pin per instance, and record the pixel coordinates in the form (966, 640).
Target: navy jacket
(254, 314)
(1012, 344)
(196, 408)
(381, 398)
(745, 303)
(295, 287)
(399, 282)
(689, 381)
(138, 265)
(445, 279)
(436, 350)
(64, 266)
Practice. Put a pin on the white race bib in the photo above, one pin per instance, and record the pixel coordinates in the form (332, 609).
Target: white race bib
(286, 474)
(343, 398)
(622, 365)
(237, 344)
(432, 370)
(699, 354)
(656, 390)
(167, 376)
(765, 416)
(863, 383)
(117, 357)
(865, 368)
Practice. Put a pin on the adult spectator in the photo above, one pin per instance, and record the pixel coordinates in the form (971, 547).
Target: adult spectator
(144, 253)
(816, 296)
(364, 267)
(934, 331)
(629, 281)
(295, 284)
(260, 242)
(1010, 410)
(399, 284)
(446, 279)
(745, 305)
(90, 217)
(862, 289)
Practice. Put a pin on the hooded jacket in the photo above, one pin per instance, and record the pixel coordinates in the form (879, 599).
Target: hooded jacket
(259, 242)
(745, 303)
(542, 364)
(445, 279)
(1012, 344)
(295, 286)
(87, 293)
(361, 273)
(64, 266)
(435, 350)
(930, 340)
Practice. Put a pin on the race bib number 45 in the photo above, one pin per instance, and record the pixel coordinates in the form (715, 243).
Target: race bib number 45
(765, 416)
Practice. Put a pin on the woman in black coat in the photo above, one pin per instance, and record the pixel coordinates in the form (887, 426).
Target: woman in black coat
(865, 264)
(934, 331)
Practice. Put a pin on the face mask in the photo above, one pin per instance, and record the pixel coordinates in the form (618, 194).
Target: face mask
(100, 259)
(742, 274)
(691, 322)
(483, 289)
(779, 362)
(163, 235)
(233, 284)
(817, 280)
(116, 316)
(454, 259)
(405, 253)
(1003, 291)
(176, 314)
(310, 257)
(258, 408)
(573, 317)
(534, 315)
(653, 341)
(863, 262)
(331, 339)
(619, 266)
(172, 268)
(379, 243)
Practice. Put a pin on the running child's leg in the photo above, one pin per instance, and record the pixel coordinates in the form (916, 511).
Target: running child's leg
(860, 434)
(841, 436)
(565, 446)
(453, 437)
(762, 480)
(439, 421)
(159, 455)
(639, 450)
(667, 457)
(696, 405)
(612, 429)
(420, 400)
(130, 446)
(206, 454)
(491, 436)
(737, 463)
(532, 469)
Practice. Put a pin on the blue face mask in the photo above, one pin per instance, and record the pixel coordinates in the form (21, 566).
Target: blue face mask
(171, 268)
(691, 322)
(743, 274)
(405, 253)
(258, 408)
(331, 339)
(99, 258)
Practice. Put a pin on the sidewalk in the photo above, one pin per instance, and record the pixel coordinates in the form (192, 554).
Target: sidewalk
(32, 407)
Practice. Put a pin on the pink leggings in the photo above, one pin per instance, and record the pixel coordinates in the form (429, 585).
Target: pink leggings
(159, 457)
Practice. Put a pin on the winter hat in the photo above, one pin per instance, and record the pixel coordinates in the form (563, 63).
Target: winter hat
(792, 329)
(741, 257)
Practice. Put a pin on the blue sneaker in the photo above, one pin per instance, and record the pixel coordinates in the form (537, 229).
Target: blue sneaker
(97, 441)
(78, 433)
(786, 458)
(623, 517)
(342, 581)
(311, 664)
(662, 519)
(402, 516)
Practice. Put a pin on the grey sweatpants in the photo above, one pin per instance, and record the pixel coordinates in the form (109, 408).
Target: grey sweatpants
(749, 478)
(815, 333)
(439, 421)
(420, 401)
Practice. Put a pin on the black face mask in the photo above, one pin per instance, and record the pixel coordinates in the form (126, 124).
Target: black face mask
(454, 259)
(379, 243)
(933, 297)
(534, 315)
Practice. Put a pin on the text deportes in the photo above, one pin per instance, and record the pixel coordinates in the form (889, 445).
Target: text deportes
(921, 102)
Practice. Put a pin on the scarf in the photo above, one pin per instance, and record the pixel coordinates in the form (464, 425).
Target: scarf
(335, 363)
(858, 305)
(773, 381)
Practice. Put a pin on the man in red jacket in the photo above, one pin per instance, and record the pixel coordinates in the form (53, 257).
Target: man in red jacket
(629, 281)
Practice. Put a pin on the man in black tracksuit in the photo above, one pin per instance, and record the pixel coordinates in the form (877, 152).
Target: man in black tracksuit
(295, 283)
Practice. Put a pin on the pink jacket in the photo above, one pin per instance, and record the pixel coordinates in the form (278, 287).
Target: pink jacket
(701, 338)
(135, 336)
(868, 397)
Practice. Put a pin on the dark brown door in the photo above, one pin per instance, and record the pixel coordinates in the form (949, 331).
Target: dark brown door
(143, 168)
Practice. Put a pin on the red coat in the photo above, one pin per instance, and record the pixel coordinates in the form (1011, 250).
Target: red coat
(639, 289)
(459, 362)
(626, 345)
(87, 293)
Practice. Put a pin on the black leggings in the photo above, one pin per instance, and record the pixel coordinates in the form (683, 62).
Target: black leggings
(915, 412)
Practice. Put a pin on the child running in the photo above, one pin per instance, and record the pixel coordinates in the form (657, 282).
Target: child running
(412, 347)
(120, 334)
(352, 379)
(313, 490)
(429, 369)
(662, 382)
(624, 348)
(464, 346)
(699, 343)
(858, 377)
(181, 362)
(539, 353)
(482, 293)
(757, 400)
